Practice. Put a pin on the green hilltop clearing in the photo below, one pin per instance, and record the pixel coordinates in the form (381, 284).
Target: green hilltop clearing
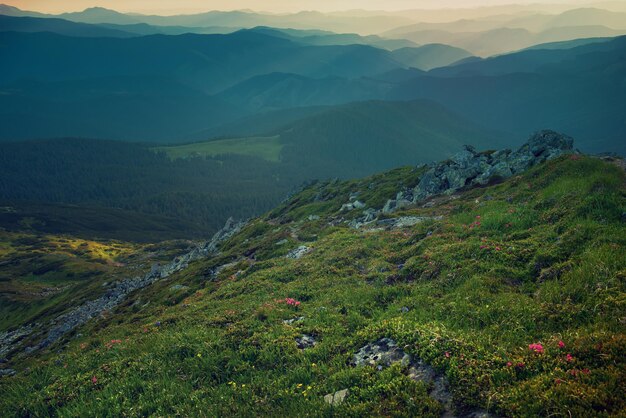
(513, 293)
(267, 148)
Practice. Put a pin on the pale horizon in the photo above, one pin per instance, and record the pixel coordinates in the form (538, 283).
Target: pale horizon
(173, 7)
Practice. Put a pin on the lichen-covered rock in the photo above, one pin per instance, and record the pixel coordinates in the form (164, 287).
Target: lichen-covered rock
(383, 352)
(336, 398)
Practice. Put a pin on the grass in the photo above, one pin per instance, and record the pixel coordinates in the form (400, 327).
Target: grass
(267, 148)
(540, 258)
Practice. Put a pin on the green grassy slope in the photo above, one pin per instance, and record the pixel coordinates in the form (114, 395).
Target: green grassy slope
(540, 258)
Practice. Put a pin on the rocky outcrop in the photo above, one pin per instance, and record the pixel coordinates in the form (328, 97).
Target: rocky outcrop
(115, 294)
(385, 352)
(470, 168)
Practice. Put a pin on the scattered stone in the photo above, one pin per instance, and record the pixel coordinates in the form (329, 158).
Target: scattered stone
(299, 252)
(314, 218)
(282, 242)
(336, 398)
(404, 309)
(7, 372)
(305, 341)
(177, 287)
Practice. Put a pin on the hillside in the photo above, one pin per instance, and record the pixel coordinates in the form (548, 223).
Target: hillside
(503, 298)
(576, 90)
(357, 139)
(102, 177)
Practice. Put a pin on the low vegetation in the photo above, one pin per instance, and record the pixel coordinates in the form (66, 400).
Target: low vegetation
(516, 295)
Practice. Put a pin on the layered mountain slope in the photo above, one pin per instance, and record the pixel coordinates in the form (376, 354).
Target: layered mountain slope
(506, 297)
(578, 90)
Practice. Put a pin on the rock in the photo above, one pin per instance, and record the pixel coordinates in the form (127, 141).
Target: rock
(282, 242)
(383, 352)
(469, 168)
(336, 398)
(313, 218)
(404, 309)
(406, 221)
(358, 204)
(305, 341)
(293, 320)
(177, 287)
(7, 372)
(299, 252)
(346, 207)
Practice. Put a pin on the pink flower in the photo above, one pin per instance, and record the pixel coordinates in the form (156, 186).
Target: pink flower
(569, 358)
(536, 348)
(292, 302)
(520, 365)
(498, 248)
(94, 380)
(561, 344)
(477, 216)
(447, 354)
(509, 364)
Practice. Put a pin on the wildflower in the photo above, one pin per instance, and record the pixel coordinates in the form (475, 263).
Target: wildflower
(199, 355)
(509, 364)
(536, 348)
(299, 385)
(561, 344)
(520, 365)
(569, 358)
(586, 371)
(498, 248)
(83, 346)
(558, 381)
(94, 380)
(447, 354)
(292, 302)
(477, 216)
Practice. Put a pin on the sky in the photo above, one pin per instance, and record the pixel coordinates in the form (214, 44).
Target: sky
(278, 6)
